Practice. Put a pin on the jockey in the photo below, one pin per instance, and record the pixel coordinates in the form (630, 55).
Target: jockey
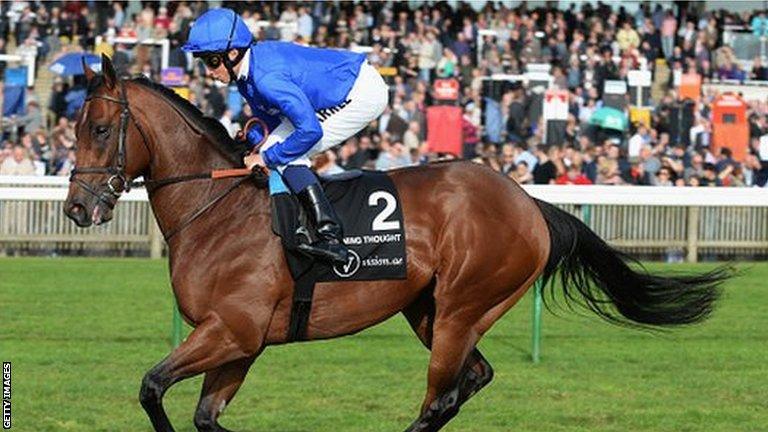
(311, 99)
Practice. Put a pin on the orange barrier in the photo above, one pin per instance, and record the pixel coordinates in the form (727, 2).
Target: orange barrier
(730, 127)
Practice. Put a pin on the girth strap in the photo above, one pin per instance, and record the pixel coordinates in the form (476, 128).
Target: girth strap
(303, 291)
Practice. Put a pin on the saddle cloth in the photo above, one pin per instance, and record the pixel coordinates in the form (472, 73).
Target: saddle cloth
(369, 208)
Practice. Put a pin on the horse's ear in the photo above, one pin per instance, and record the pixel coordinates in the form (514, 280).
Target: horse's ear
(110, 76)
(89, 73)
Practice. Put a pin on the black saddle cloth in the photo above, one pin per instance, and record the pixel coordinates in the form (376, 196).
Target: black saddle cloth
(368, 206)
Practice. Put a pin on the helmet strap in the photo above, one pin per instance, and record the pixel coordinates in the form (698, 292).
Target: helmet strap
(240, 52)
(230, 64)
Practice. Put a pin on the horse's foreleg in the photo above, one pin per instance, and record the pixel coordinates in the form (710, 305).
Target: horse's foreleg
(209, 346)
(219, 387)
(475, 374)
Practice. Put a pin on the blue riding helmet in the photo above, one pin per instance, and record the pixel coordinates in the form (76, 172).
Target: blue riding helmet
(218, 30)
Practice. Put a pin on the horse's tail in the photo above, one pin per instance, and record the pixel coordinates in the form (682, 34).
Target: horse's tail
(598, 277)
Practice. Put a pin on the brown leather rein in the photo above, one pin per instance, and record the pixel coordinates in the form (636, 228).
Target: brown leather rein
(112, 190)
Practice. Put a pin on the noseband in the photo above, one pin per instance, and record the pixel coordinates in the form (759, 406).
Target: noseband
(118, 181)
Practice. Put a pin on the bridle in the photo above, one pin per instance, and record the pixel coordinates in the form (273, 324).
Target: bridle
(118, 182)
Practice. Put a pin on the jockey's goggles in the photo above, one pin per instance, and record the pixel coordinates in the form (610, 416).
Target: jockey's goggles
(211, 60)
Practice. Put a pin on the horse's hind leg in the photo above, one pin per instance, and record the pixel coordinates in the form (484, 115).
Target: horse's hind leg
(209, 346)
(449, 386)
(476, 373)
(219, 387)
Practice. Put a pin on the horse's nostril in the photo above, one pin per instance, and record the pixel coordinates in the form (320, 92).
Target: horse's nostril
(77, 210)
(78, 214)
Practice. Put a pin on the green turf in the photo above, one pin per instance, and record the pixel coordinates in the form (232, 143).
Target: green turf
(82, 332)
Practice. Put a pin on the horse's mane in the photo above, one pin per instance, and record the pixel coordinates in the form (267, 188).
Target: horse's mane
(215, 132)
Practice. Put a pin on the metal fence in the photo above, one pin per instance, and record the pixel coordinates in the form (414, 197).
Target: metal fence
(677, 222)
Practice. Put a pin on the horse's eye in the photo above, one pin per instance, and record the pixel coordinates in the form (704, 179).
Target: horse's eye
(101, 131)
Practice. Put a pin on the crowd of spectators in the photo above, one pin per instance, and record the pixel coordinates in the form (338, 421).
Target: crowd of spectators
(585, 45)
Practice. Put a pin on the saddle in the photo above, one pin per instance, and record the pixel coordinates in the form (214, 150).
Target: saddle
(369, 209)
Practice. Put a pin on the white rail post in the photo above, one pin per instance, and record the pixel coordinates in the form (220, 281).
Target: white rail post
(155, 237)
(692, 238)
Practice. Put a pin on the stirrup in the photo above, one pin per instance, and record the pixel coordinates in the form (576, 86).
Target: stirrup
(335, 253)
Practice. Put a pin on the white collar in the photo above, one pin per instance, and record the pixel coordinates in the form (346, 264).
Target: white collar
(245, 65)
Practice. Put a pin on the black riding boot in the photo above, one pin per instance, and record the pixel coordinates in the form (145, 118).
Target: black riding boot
(329, 245)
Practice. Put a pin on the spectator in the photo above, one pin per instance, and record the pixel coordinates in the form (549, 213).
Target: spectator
(289, 21)
(305, 24)
(411, 136)
(429, 54)
(33, 119)
(750, 168)
(66, 165)
(759, 72)
(546, 171)
(636, 175)
(521, 174)
(325, 164)
(637, 141)
(361, 155)
(695, 169)
(710, 177)
(668, 30)
(508, 164)
(446, 66)
(608, 172)
(162, 20)
(470, 133)
(393, 156)
(664, 177)
(573, 176)
(118, 15)
(18, 164)
(759, 25)
(627, 37)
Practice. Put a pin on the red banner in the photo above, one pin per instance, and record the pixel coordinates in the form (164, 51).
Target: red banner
(444, 129)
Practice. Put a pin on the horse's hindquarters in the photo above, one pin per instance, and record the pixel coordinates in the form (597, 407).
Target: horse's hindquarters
(477, 231)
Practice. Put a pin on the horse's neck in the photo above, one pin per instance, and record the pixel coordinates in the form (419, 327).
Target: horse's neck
(179, 150)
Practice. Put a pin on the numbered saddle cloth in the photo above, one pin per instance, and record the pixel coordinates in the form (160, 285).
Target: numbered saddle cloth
(369, 208)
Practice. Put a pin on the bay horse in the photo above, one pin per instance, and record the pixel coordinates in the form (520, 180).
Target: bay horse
(475, 243)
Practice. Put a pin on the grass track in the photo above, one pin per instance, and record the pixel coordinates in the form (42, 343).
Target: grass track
(82, 332)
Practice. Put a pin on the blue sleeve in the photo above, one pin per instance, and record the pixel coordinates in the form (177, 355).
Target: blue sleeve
(256, 134)
(294, 105)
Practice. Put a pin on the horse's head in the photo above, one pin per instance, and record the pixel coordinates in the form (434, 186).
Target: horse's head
(111, 149)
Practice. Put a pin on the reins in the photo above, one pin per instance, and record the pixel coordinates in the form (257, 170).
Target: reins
(112, 191)
(153, 185)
